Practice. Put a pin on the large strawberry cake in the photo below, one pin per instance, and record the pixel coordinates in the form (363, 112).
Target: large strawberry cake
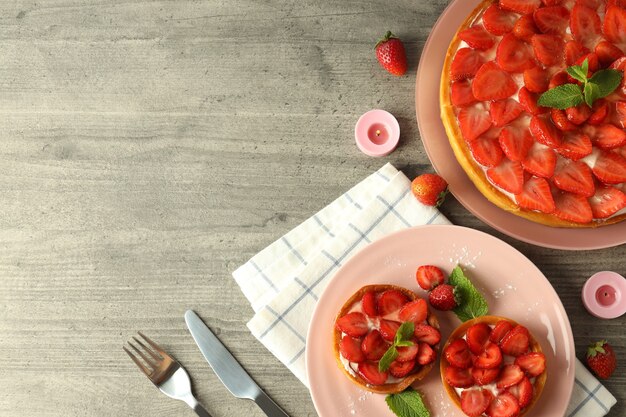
(561, 164)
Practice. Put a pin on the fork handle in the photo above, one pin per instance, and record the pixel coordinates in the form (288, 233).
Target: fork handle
(199, 409)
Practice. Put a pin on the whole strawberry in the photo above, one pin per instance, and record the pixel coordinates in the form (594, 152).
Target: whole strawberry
(601, 359)
(429, 189)
(443, 297)
(390, 54)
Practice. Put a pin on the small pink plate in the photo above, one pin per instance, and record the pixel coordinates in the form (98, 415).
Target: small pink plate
(511, 284)
(443, 159)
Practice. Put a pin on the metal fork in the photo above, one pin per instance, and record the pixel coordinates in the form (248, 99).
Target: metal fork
(165, 372)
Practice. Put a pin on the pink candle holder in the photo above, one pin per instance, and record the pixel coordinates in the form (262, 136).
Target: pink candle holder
(377, 133)
(604, 295)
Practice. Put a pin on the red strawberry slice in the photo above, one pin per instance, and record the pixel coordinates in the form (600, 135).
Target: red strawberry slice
(575, 177)
(607, 136)
(391, 301)
(475, 401)
(544, 131)
(585, 25)
(497, 21)
(579, 114)
(552, 19)
(369, 372)
(525, 27)
(606, 202)
(388, 329)
(620, 114)
(426, 354)
(551, 2)
(504, 405)
(490, 358)
(477, 337)
(458, 354)
(539, 161)
(461, 93)
(614, 25)
(477, 37)
(353, 324)
(610, 168)
(486, 150)
(516, 341)
(528, 100)
(407, 353)
(485, 376)
(401, 369)
(523, 391)
(536, 79)
(369, 305)
(415, 311)
(557, 79)
(515, 142)
(573, 51)
(503, 112)
(427, 334)
(473, 121)
(599, 112)
(536, 196)
(533, 363)
(374, 346)
(607, 53)
(509, 375)
(508, 175)
(520, 6)
(513, 54)
(575, 145)
(592, 61)
(429, 276)
(592, 4)
(458, 377)
(560, 120)
(492, 83)
(572, 207)
(465, 64)
(619, 64)
(548, 49)
(619, 3)
(350, 348)
(500, 330)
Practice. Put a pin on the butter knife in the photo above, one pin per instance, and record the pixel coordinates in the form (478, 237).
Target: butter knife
(226, 367)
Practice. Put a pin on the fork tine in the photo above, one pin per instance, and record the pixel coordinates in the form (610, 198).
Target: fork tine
(141, 366)
(152, 364)
(145, 348)
(155, 346)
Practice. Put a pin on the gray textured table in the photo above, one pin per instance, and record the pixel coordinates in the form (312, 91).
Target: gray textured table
(150, 147)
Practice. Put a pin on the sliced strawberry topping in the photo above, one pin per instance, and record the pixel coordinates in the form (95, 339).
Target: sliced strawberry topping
(520, 6)
(525, 27)
(575, 177)
(350, 348)
(500, 330)
(573, 51)
(503, 112)
(374, 346)
(515, 142)
(528, 100)
(552, 19)
(607, 53)
(369, 304)
(490, 358)
(509, 375)
(485, 376)
(610, 168)
(607, 136)
(557, 79)
(548, 49)
(614, 25)
(497, 21)
(477, 37)
(539, 161)
(514, 55)
(475, 401)
(477, 337)
(407, 353)
(429, 276)
(473, 121)
(426, 354)
(353, 324)
(515, 342)
(458, 354)
(391, 301)
(560, 120)
(523, 391)
(533, 363)
(607, 201)
(599, 111)
(465, 64)
(458, 377)
(369, 372)
(492, 83)
(388, 329)
(504, 405)
(551, 2)
(461, 93)
(575, 145)
(486, 150)
(544, 131)
(415, 311)
(508, 175)
(585, 25)
(536, 79)
(536, 196)
(592, 4)
(620, 114)
(579, 114)
(427, 334)
(572, 207)
(592, 61)
(401, 369)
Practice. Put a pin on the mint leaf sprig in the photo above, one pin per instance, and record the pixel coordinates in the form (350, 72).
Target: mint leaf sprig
(403, 338)
(407, 403)
(472, 303)
(601, 84)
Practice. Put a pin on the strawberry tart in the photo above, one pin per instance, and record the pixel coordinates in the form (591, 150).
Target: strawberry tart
(366, 330)
(493, 366)
(533, 99)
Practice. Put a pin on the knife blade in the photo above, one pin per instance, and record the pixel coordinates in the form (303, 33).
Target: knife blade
(226, 367)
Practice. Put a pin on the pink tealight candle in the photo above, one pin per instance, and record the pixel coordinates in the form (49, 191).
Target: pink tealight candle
(604, 295)
(377, 133)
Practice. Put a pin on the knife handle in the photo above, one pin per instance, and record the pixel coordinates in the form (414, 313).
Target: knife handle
(268, 406)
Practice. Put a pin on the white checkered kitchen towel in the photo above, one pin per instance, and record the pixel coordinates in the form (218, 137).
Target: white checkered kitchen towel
(284, 281)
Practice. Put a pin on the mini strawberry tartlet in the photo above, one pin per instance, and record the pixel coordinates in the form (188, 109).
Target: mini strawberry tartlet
(493, 366)
(365, 329)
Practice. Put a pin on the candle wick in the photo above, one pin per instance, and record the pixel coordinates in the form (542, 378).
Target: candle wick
(378, 133)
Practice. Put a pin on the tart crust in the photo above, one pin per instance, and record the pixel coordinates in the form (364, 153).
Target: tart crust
(393, 388)
(464, 156)
(460, 331)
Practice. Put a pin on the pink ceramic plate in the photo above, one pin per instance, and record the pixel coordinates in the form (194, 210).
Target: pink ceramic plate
(512, 285)
(443, 159)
